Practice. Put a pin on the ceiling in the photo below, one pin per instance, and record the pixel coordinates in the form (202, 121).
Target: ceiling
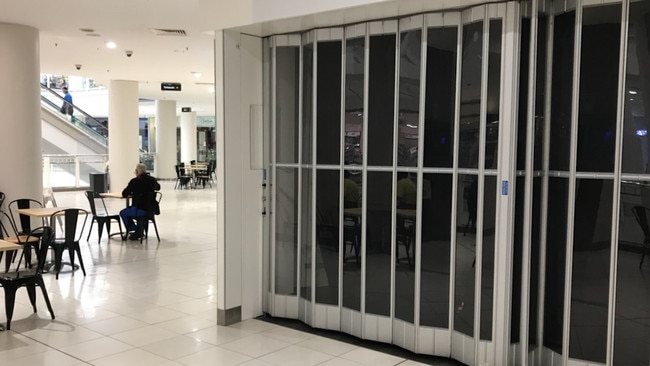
(75, 32)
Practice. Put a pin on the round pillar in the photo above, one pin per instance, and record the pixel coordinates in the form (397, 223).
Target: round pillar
(166, 147)
(188, 136)
(20, 145)
(123, 136)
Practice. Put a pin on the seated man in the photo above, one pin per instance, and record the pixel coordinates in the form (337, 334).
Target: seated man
(142, 183)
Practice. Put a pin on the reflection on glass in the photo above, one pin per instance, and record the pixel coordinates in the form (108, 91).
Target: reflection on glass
(590, 275)
(631, 327)
(493, 95)
(409, 98)
(328, 103)
(286, 231)
(636, 150)
(522, 110)
(465, 253)
(562, 93)
(517, 252)
(286, 104)
(558, 193)
(327, 236)
(378, 243)
(305, 234)
(440, 96)
(487, 266)
(381, 103)
(540, 92)
(354, 71)
(599, 66)
(352, 216)
(470, 95)
(436, 250)
(307, 101)
(405, 229)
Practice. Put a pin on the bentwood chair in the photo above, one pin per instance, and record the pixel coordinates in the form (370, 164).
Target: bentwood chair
(101, 216)
(30, 278)
(8, 232)
(25, 221)
(70, 239)
(152, 200)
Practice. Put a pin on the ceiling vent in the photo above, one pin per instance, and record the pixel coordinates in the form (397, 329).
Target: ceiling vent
(169, 32)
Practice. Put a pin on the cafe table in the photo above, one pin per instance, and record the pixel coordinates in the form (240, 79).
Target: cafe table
(6, 246)
(45, 213)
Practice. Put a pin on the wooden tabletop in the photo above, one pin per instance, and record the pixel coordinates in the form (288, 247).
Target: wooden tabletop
(41, 211)
(5, 246)
(112, 195)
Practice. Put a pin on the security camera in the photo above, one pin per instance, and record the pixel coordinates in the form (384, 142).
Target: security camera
(78, 66)
(128, 53)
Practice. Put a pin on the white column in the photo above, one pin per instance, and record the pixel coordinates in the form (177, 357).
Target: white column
(20, 142)
(152, 135)
(238, 84)
(165, 138)
(123, 125)
(188, 136)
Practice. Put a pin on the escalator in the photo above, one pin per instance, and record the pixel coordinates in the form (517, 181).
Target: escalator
(79, 134)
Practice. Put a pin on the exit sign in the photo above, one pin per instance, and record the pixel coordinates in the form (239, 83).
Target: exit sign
(170, 86)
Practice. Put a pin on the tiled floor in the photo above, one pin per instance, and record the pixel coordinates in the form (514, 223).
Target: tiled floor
(155, 304)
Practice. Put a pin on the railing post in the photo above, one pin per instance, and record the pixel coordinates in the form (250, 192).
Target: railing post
(77, 179)
(47, 171)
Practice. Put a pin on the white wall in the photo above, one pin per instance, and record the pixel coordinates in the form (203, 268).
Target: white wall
(239, 243)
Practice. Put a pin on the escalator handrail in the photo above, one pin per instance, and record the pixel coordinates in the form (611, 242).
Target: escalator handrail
(76, 108)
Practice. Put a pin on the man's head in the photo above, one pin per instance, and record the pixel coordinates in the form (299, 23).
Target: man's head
(140, 169)
(65, 89)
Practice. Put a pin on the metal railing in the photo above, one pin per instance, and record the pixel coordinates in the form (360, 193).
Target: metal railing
(73, 171)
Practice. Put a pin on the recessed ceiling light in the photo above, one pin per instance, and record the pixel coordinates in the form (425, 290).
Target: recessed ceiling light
(111, 44)
(196, 74)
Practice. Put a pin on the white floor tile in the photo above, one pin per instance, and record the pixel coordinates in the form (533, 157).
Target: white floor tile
(155, 304)
(296, 356)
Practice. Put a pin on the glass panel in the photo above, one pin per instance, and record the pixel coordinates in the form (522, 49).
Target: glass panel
(405, 229)
(522, 110)
(436, 250)
(286, 104)
(515, 315)
(440, 97)
(354, 71)
(327, 236)
(558, 193)
(409, 97)
(534, 264)
(487, 269)
(636, 150)
(465, 253)
(328, 103)
(493, 95)
(352, 217)
(470, 95)
(286, 231)
(378, 249)
(600, 48)
(307, 101)
(540, 91)
(631, 328)
(590, 274)
(305, 237)
(381, 100)
(561, 94)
